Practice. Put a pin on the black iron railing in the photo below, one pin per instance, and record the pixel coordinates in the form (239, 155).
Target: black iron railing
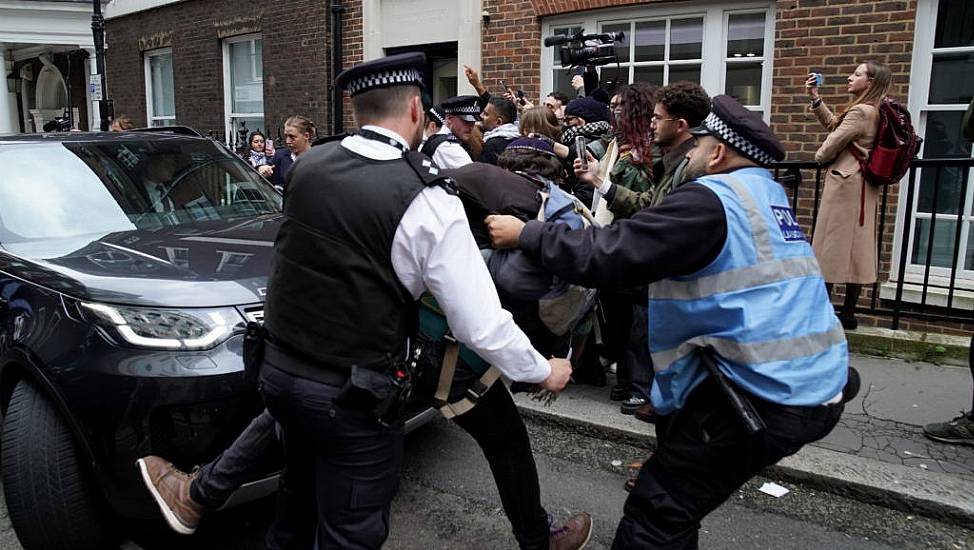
(941, 185)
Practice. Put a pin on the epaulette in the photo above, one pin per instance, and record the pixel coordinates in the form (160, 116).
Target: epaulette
(427, 171)
(328, 139)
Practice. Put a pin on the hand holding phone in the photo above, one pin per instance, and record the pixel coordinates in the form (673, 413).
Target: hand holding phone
(580, 152)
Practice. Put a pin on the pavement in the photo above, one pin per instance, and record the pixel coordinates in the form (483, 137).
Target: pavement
(877, 453)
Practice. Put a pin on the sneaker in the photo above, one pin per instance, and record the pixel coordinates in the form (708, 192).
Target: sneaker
(170, 487)
(960, 430)
(629, 406)
(647, 413)
(574, 535)
(620, 392)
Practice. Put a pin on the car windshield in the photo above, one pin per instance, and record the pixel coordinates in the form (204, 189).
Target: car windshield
(73, 189)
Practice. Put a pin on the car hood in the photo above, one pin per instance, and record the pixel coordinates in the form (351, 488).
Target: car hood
(192, 265)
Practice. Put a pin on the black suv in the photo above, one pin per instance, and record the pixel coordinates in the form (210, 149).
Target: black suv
(129, 264)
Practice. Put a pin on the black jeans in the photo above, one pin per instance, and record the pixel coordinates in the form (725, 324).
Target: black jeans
(499, 430)
(638, 361)
(336, 454)
(703, 455)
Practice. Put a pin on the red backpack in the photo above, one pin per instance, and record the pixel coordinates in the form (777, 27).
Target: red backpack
(896, 145)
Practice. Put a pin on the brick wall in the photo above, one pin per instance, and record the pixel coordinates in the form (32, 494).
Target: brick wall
(296, 51)
(351, 48)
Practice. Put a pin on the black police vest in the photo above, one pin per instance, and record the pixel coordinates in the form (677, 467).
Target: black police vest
(333, 295)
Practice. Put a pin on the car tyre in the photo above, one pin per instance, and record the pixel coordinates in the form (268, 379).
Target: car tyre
(51, 498)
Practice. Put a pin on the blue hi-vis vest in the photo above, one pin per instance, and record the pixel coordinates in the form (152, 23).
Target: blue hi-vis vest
(761, 305)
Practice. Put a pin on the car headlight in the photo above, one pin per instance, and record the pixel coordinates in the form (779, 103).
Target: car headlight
(176, 329)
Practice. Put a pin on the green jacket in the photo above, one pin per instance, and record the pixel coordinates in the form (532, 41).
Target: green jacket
(626, 201)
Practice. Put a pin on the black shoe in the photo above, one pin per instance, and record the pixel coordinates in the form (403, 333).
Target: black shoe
(620, 392)
(851, 389)
(849, 322)
(631, 405)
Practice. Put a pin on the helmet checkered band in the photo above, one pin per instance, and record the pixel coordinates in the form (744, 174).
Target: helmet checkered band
(721, 130)
(472, 109)
(435, 115)
(383, 79)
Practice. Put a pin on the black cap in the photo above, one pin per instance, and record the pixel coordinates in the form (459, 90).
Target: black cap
(436, 113)
(466, 107)
(742, 129)
(405, 69)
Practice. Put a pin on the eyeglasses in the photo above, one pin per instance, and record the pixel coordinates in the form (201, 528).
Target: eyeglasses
(657, 118)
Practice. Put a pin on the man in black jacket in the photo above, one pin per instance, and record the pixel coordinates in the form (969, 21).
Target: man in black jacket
(500, 128)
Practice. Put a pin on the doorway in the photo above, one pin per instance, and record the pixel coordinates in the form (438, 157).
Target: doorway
(441, 71)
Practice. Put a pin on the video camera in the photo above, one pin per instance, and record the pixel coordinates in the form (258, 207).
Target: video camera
(586, 49)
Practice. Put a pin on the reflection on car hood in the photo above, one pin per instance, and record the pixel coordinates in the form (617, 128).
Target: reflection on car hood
(192, 265)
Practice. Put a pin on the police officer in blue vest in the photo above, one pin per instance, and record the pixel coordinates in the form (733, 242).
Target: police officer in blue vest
(750, 358)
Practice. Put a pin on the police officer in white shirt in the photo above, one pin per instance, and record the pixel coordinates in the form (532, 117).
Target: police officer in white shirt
(339, 309)
(448, 147)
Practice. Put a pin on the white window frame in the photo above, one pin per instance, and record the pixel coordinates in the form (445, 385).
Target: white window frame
(922, 67)
(713, 55)
(229, 115)
(149, 111)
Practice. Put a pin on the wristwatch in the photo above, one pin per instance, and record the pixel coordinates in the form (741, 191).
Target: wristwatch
(816, 103)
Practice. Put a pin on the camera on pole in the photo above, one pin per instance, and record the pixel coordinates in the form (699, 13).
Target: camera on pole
(588, 50)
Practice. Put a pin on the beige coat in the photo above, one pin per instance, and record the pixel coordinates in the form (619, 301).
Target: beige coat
(846, 251)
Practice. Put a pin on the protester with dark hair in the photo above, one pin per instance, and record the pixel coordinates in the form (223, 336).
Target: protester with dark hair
(299, 132)
(845, 230)
(256, 154)
(500, 128)
(679, 107)
(556, 102)
(722, 319)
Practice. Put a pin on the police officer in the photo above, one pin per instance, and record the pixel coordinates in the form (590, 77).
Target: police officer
(449, 146)
(736, 304)
(368, 226)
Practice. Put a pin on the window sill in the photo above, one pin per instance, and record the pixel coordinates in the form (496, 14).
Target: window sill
(936, 296)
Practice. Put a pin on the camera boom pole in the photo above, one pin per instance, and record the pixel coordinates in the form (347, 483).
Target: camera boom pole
(98, 30)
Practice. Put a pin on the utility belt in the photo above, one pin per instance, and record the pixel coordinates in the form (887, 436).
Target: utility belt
(383, 388)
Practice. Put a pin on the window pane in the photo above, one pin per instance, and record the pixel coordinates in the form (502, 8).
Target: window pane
(613, 74)
(163, 122)
(246, 81)
(685, 72)
(562, 31)
(952, 78)
(563, 82)
(686, 38)
(745, 35)
(955, 24)
(650, 40)
(622, 48)
(943, 242)
(649, 75)
(969, 261)
(744, 82)
(243, 126)
(160, 75)
(943, 140)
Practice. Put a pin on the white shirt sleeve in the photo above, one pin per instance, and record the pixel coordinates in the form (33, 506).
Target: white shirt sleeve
(434, 249)
(451, 155)
(606, 185)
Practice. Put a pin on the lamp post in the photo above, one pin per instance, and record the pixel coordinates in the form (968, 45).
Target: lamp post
(98, 30)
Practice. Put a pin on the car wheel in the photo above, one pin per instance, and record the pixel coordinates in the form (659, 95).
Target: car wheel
(50, 495)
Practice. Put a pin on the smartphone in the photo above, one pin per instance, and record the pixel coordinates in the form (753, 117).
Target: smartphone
(580, 151)
(503, 85)
(819, 80)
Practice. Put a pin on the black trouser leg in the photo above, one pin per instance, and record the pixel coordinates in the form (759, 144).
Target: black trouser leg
(499, 430)
(704, 457)
(638, 359)
(340, 453)
(852, 292)
(217, 480)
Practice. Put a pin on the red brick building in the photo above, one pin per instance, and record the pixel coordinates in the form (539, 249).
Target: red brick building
(756, 50)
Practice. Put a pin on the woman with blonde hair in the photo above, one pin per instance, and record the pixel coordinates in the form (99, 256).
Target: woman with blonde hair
(299, 132)
(845, 231)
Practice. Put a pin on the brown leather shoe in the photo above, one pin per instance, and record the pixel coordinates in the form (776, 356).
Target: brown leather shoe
(574, 535)
(647, 413)
(170, 487)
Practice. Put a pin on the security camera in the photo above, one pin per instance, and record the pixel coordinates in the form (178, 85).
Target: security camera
(485, 15)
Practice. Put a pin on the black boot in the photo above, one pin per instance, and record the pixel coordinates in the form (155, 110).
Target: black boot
(847, 315)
